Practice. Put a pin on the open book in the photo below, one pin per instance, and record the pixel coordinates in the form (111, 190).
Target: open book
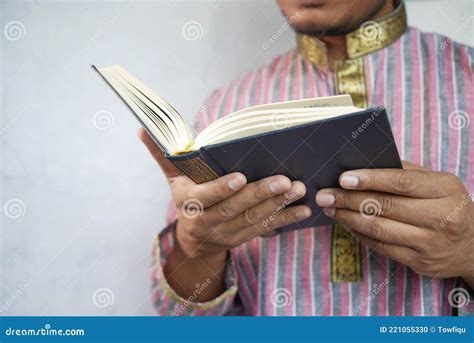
(175, 135)
(311, 140)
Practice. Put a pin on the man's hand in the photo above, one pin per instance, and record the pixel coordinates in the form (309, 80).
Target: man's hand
(416, 216)
(219, 215)
(224, 213)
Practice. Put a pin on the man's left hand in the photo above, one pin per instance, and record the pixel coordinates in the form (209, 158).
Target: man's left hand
(418, 217)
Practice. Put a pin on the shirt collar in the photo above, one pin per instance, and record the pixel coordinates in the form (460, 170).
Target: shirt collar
(370, 37)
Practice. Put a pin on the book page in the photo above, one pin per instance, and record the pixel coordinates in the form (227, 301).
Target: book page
(323, 102)
(271, 121)
(160, 119)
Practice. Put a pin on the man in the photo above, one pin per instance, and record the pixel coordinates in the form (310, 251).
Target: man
(417, 255)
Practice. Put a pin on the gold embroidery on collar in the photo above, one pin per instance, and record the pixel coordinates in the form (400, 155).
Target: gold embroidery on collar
(314, 50)
(370, 37)
(376, 35)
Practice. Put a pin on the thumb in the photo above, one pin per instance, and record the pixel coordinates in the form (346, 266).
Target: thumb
(168, 168)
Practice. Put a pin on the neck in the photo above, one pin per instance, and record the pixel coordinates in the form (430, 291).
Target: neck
(336, 45)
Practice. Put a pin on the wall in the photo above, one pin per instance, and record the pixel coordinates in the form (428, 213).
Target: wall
(81, 197)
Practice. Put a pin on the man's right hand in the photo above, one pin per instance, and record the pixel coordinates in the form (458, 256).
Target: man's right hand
(219, 215)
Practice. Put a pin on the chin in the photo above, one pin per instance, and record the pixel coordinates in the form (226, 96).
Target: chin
(329, 17)
(316, 27)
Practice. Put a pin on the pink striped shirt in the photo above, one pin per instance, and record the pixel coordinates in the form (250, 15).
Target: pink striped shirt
(425, 82)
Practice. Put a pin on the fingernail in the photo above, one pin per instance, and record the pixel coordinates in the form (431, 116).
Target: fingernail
(349, 181)
(276, 186)
(325, 199)
(237, 182)
(303, 213)
(330, 212)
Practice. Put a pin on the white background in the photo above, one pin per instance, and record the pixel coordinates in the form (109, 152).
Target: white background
(92, 199)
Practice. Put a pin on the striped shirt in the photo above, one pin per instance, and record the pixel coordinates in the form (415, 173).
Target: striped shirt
(426, 83)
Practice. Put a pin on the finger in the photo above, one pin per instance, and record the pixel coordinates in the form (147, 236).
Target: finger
(212, 192)
(414, 183)
(249, 196)
(380, 228)
(168, 168)
(399, 208)
(398, 253)
(288, 216)
(268, 209)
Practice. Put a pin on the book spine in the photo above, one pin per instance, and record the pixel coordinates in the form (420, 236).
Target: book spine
(198, 166)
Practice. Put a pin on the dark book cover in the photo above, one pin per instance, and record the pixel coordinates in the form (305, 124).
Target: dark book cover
(315, 153)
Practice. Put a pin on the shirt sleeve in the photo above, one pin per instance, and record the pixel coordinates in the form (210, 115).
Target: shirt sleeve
(168, 303)
(165, 300)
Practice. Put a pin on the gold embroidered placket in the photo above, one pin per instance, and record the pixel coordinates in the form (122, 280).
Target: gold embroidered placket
(346, 256)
